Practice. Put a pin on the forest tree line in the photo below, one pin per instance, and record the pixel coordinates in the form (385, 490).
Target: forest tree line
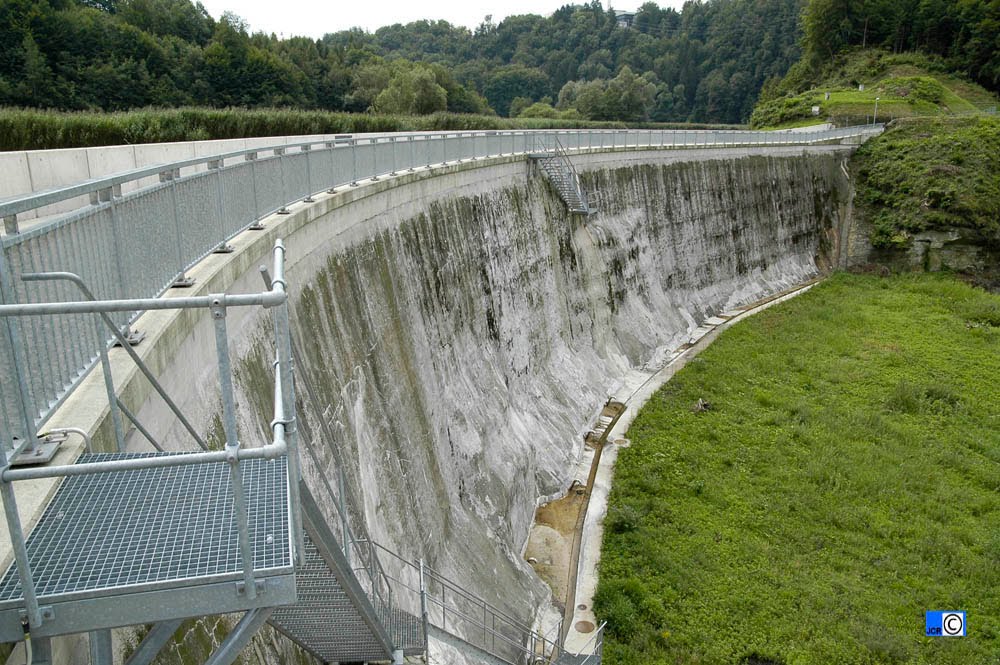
(703, 63)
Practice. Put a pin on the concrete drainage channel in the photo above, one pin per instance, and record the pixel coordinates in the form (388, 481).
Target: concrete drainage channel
(565, 556)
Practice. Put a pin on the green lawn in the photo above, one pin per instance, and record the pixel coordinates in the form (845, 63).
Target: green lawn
(844, 481)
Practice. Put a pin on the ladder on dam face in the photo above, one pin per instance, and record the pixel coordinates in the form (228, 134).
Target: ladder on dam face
(559, 170)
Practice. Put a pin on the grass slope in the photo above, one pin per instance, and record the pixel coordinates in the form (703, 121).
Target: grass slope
(844, 481)
(907, 85)
(931, 173)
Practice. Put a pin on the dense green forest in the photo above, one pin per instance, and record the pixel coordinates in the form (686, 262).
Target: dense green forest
(960, 36)
(704, 63)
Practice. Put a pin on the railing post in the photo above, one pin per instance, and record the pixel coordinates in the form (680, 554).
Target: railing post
(255, 224)
(354, 162)
(13, 332)
(393, 144)
(280, 154)
(344, 526)
(413, 162)
(10, 224)
(171, 177)
(374, 143)
(34, 618)
(307, 150)
(283, 343)
(423, 605)
(218, 309)
(215, 166)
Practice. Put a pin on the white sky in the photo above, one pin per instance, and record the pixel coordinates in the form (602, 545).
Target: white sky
(314, 19)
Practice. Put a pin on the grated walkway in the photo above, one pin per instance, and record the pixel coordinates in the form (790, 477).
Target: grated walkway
(108, 535)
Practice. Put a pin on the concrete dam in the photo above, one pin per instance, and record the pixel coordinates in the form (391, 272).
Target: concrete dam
(455, 330)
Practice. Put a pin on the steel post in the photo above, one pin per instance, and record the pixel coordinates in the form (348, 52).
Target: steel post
(307, 151)
(240, 636)
(153, 642)
(280, 154)
(232, 442)
(423, 604)
(215, 166)
(100, 648)
(41, 651)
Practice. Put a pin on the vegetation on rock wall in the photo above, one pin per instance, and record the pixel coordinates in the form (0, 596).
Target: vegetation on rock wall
(931, 173)
(842, 483)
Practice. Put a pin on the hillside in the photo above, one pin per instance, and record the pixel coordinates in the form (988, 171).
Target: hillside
(703, 63)
(906, 85)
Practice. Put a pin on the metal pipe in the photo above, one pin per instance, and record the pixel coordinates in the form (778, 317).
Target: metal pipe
(268, 299)
(76, 279)
(20, 549)
(270, 451)
(423, 604)
(109, 387)
(232, 442)
(88, 443)
(139, 426)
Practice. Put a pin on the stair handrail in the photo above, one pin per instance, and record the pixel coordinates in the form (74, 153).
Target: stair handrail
(531, 645)
(569, 170)
(598, 648)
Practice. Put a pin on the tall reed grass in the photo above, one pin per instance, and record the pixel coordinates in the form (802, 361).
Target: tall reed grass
(33, 129)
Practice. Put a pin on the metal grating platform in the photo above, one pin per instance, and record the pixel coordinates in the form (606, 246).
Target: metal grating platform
(325, 621)
(407, 632)
(112, 534)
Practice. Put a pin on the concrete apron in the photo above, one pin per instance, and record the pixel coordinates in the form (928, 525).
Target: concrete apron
(635, 391)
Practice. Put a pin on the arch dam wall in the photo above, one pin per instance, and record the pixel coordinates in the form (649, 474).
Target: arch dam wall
(457, 330)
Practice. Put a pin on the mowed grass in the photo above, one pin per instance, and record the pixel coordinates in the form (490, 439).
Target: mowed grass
(844, 481)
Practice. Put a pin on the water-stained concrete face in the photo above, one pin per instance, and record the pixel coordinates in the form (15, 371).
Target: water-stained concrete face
(456, 335)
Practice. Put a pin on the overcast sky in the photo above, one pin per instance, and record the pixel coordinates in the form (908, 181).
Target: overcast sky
(314, 19)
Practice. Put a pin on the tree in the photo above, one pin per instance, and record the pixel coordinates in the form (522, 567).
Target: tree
(412, 92)
(512, 81)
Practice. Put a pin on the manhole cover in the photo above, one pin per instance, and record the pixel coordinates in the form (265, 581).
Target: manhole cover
(584, 627)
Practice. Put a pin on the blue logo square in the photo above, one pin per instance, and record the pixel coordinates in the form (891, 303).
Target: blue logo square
(944, 623)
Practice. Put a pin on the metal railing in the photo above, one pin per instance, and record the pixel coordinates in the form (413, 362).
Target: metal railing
(138, 244)
(595, 645)
(283, 428)
(453, 609)
(559, 166)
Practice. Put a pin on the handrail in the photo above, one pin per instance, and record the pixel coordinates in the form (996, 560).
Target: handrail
(283, 442)
(17, 204)
(598, 649)
(528, 642)
(182, 219)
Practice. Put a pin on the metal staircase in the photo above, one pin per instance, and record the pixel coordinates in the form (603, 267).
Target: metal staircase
(550, 155)
(367, 625)
(160, 537)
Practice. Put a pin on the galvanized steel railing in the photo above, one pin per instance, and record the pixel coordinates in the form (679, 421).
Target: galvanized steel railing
(283, 426)
(138, 244)
(453, 609)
